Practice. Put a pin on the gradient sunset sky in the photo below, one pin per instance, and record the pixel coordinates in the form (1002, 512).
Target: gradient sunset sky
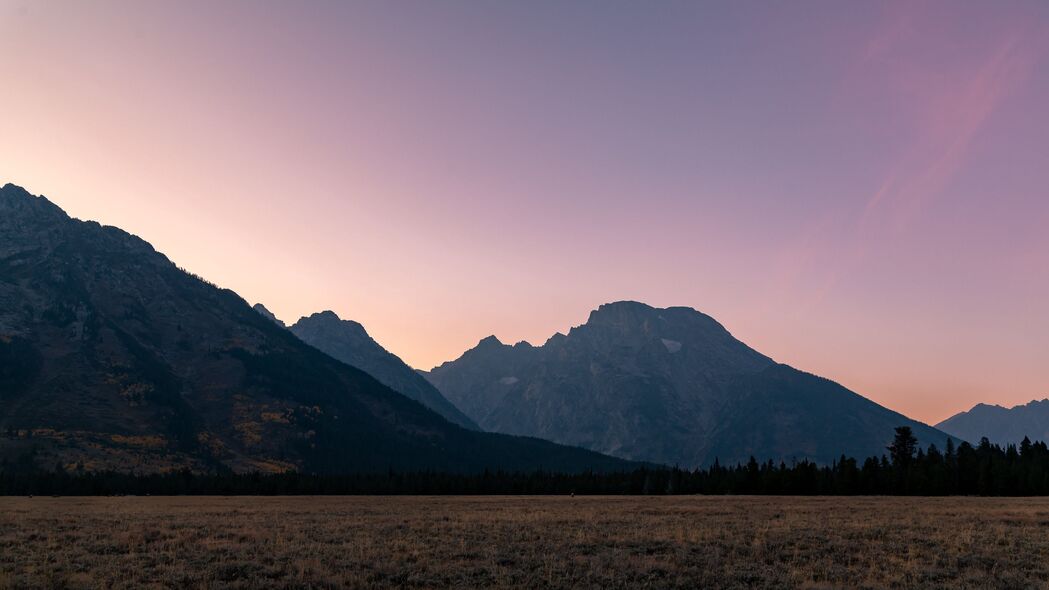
(858, 189)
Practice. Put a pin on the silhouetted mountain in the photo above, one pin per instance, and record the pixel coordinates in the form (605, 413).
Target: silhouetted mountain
(268, 314)
(113, 358)
(348, 342)
(1000, 425)
(665, 385)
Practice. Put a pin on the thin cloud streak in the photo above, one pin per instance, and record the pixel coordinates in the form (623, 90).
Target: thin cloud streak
(941, 145)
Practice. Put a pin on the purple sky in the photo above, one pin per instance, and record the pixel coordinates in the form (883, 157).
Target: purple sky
(857, 189)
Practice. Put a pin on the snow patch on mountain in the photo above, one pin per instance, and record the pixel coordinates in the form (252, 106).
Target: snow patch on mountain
(672, 345)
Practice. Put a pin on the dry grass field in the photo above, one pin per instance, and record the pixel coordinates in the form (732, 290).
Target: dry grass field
(426, 542)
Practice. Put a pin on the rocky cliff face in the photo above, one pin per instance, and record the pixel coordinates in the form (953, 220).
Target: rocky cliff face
(113, 358)
(665, 385)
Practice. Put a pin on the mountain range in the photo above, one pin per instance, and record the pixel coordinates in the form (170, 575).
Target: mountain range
(1003, 426)
(111, 357)
(669, 386)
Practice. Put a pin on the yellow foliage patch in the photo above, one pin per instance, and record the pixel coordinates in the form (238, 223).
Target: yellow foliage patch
(278, 417)
(250, 432)
(151, 442)
(271, 466)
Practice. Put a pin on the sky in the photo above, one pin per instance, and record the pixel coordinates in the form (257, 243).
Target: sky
(860, 190)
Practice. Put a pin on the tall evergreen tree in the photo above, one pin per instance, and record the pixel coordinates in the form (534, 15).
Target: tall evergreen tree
(903, 447)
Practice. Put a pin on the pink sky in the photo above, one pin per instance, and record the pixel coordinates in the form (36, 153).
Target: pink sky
(859, 190)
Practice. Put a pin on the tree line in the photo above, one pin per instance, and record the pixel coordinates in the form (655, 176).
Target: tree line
(905, 469)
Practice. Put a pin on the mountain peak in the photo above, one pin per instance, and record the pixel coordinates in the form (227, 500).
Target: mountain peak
(11, 193)
(14, 199)
(326, 316)
(261, 309)
(619, 312)
(983, 405)
(634, 315)
(330, 319)
(489, 342)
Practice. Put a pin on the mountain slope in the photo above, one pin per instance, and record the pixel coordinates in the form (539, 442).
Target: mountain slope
(665, 385)
(1000, 425)
(348, 342)
(113, 358)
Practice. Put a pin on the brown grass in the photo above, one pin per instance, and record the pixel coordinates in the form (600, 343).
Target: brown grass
(656, 542)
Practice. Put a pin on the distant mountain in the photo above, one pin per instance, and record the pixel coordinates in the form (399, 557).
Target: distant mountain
(1001, 425)
(348, 342)
(113, 358)
(665, 385)
(268, 314)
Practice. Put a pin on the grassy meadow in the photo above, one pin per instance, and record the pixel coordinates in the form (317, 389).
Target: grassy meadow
(523, 542)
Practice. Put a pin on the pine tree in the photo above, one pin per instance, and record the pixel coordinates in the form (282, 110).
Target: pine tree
(903, 446)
